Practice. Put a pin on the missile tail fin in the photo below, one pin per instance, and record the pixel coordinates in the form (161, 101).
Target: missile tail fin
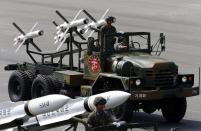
(91, 33)
(90, 16)
(77, 15)
(15, 43)
(105, 13)
(62, 42)
(33, 27)
(20, 45)
(18, 28)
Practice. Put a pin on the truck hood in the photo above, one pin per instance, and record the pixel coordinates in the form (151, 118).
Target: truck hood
(145, 61)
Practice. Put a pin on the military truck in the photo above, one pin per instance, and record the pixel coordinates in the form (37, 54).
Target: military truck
(132, 64)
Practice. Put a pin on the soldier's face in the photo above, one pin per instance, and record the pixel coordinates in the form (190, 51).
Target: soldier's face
(100, 107)
(109, 22)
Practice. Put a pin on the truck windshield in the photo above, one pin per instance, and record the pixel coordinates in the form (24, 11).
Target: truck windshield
(131, 41)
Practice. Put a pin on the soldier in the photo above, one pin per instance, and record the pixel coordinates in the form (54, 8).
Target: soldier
(109, 29)
(99, 117)
(122, 45)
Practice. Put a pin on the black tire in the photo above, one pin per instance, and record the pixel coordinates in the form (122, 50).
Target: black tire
(174, 109)
(56, 83)
(41, 86)
(149, 107)
(19, 86)
(123, 112)
(31, 75)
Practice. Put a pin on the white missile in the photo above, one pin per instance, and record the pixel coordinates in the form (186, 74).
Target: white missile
(29, 35)
(22, 38)
(74, 23)
(60, 37)
(62, 30)
(93, 24)
(10, 111)
(79, 106)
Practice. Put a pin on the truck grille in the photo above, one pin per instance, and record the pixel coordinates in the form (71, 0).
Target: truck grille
(162, 78)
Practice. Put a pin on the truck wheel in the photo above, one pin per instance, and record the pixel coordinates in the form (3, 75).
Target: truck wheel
(56, 83)
(123, 112)
(31, 75)
(174, 110)
(19, 86)
(41, 86)
(149, 107)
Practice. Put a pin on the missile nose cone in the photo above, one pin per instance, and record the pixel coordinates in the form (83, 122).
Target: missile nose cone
(116, 98)
(86, 21)
(45, 104)
(41, 32)
(126, 95)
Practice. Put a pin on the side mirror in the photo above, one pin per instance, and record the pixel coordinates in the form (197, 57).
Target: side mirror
(162, 41)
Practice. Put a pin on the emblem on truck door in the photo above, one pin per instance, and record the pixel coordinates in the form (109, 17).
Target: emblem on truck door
(94, 64)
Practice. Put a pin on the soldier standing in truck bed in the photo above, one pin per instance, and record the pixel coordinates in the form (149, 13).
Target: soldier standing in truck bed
(108, 29)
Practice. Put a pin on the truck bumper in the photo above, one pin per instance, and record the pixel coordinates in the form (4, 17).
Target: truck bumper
(161, 94)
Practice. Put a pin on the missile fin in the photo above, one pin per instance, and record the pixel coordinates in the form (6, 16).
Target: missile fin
(33, 27)
(62, 42)
(62, 39)
(59, 14)
(55, 23)
(91, 33)
(20, 45)
(15, 43)
(19, 29)
(77, 15)
(105, 13)
(91, 17)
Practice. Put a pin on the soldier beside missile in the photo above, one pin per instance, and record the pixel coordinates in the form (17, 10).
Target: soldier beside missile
(99, 117)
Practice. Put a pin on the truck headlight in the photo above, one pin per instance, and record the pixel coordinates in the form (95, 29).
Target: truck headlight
(138, 82)
(184, 79)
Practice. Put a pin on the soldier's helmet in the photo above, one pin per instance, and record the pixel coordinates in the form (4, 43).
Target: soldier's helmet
(100, 101)
(111, 18)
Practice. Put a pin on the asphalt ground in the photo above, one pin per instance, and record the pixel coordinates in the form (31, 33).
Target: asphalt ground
(179, 20)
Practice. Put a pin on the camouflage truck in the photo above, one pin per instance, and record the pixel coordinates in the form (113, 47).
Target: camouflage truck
(131, 66)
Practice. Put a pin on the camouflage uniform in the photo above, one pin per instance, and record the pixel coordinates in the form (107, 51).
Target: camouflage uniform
(96, 119)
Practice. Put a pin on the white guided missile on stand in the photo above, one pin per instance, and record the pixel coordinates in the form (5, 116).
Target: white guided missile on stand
(94, 24)
(29, 35)
(62, 30)
(10, 111)
(74, 23)
(79, 106)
